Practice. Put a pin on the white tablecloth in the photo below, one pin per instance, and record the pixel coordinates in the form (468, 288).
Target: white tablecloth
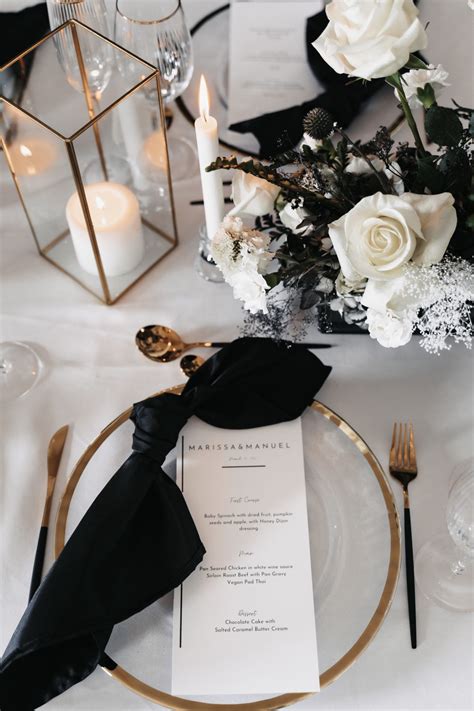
(93, 371)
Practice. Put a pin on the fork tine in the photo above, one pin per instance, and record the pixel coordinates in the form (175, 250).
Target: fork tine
(406, 461)
(412, 449)
(394, 441)
(398, 460)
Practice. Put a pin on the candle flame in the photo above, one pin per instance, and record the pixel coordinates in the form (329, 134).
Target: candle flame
(203, 99)
(100, 204)
(25, 151)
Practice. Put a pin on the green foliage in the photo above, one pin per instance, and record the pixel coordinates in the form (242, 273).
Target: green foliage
(428, 176)
(317, 179)
(443, 126)
(456, 169)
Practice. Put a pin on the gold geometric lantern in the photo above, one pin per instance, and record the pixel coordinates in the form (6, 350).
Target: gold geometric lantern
(85, 144)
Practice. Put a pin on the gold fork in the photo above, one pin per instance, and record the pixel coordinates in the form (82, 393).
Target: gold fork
(403, 467)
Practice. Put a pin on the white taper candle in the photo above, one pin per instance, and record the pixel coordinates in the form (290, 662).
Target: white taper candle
(207, 138)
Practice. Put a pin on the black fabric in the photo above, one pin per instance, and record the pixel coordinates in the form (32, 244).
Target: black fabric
(21, 30)
(138, 541)
(343, 99)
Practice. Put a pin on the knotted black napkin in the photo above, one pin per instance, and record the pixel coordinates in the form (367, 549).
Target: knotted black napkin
(343, 99)
(138, 541)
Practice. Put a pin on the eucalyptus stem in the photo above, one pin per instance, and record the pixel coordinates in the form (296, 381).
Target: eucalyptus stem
(398, 82)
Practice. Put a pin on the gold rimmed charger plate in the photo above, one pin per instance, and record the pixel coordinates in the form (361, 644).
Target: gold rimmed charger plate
(336, 668)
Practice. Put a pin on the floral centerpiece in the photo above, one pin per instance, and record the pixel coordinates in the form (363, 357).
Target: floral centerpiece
(382, 233)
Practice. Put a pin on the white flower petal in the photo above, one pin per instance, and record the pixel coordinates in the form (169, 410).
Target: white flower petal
(337, 233)
(438, 221)
(252, 195)
(370, 39)
(389, 329)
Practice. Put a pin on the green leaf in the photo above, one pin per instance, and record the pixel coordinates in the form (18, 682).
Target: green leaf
(415, 62)
(456, 168)
(428, 176)
(272, 279)
(443, 126)
(427, 96)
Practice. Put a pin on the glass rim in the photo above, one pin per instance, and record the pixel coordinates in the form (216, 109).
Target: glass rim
(147, 22)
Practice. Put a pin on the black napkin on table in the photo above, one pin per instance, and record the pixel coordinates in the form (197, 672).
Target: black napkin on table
(21, 30)
(343, 98)
(138, 541)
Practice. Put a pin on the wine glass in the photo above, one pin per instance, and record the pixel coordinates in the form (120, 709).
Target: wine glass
(445, 565)
(156, 31)
(97, 57)
(19, 369)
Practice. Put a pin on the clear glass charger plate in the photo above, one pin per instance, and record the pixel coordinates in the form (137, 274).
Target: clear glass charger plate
(355, 553)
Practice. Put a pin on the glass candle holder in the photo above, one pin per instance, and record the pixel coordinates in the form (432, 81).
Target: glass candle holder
(85, 143)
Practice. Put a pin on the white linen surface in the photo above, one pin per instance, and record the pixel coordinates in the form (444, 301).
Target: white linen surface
(93, 371)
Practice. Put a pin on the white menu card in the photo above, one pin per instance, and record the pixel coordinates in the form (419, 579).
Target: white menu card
(269, 69)
(243, 622)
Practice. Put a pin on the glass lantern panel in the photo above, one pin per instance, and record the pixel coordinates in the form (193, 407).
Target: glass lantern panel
(122, 163)
(75, 77)
(38, 159)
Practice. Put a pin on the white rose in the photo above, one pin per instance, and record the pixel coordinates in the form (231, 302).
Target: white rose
(252, 195)
(418, 78)
(250, 287)
(370, 39)
(358, 166)
(294, 216)
(384, 232)
(390, 329)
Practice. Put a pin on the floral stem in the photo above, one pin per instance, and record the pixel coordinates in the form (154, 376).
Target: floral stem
(396, 81)
(382, 178)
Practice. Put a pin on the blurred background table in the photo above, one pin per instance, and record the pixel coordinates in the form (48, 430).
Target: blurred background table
(93, 371)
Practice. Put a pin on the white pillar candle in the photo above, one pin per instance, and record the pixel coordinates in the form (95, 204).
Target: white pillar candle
(32, 156)
(207, 138)
(115, 214)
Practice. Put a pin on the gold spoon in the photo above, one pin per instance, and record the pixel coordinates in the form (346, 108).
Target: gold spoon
(190, 364)
(162, 344)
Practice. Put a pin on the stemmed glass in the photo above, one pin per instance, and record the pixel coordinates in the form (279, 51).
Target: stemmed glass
(19, 369)
(156, 31)
(445, 565)
(97, 59)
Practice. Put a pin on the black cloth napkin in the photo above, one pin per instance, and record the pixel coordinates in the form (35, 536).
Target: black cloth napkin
(343, 98)
(138, 541)
(21, 30)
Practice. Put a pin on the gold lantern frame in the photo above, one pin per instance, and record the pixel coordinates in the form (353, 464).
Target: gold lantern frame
(68, 141)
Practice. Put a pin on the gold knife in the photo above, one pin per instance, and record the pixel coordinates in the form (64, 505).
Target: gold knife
(55, 450)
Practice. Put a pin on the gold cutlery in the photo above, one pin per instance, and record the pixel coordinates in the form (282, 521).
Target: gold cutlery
(190, 363)
(402, 465)
(55, 450)
(162, 345)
